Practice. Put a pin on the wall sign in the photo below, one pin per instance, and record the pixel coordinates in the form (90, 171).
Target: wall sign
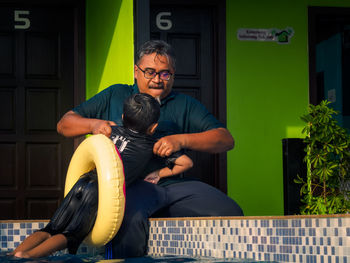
(276, 35)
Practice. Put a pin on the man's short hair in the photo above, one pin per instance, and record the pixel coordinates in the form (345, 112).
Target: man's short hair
(160, 47)
(140, 111)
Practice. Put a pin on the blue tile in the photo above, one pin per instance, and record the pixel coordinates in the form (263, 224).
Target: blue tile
(312, 232)
(311, 251)
(340, 222)
(318, 250)
(249, 247)
(325, 231)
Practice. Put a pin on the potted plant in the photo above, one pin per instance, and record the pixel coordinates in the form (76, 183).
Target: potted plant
(325, 190)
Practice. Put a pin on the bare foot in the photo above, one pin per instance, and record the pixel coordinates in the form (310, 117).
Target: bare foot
(21, 254)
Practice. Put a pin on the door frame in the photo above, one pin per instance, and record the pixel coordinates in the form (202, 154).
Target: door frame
(313, 13)
(142, 34)
(79, 39)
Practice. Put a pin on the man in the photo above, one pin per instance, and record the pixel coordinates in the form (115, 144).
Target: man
(191, 127)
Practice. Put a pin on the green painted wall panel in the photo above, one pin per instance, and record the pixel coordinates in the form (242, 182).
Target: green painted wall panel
(267, 92)
(109, 44)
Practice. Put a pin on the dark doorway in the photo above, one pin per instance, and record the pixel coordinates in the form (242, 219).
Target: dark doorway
(196, 30)
(329, 59)
(39, 82)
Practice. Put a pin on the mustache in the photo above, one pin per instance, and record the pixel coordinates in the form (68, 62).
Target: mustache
(157, 87)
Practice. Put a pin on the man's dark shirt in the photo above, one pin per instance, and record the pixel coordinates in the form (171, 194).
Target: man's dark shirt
(179, 113)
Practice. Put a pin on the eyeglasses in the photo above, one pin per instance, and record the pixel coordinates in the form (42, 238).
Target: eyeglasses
(151, 73)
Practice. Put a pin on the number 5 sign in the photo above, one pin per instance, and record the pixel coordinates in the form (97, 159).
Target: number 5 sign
(21, 22)
(163, 23)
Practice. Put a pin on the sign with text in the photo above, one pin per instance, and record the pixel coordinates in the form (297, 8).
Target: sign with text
(276, 35)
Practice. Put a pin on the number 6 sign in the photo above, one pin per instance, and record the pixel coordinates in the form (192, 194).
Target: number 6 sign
(162, 23)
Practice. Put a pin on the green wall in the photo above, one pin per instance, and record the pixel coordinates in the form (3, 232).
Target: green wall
(267, 92)
(109, 44)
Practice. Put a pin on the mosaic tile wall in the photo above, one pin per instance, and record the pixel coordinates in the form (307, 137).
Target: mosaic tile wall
(284, 239)
(13, 233)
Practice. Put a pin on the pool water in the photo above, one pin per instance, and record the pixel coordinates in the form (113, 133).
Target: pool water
(67, 258)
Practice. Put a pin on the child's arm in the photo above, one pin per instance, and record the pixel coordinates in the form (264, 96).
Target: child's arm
(179, 165)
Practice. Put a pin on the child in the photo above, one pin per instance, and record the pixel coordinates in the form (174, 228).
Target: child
(75, 217)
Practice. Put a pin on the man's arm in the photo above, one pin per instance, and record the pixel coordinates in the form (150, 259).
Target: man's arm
(181, 164)
(212, 141)
(72, 124)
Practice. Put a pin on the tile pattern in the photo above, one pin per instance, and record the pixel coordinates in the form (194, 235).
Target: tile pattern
(281, 239)
(13, 233)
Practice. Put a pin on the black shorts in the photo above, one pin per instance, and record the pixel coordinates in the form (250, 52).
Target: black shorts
(76, 215)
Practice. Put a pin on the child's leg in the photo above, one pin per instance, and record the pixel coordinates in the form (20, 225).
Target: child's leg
(46, 248)
(32, 241)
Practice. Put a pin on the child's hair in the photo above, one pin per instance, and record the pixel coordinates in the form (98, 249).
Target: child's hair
(140, 112)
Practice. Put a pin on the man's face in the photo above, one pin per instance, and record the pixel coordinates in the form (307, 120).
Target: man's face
(156, 86)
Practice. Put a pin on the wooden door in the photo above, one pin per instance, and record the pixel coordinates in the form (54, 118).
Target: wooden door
(191, 29)
(36, 89)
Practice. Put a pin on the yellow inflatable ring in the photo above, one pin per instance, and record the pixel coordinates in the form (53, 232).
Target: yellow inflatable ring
(100, 152)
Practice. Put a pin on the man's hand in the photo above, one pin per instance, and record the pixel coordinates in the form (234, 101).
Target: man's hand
(153, 177)
(102, 127)
(167, 145)
(72, 124)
